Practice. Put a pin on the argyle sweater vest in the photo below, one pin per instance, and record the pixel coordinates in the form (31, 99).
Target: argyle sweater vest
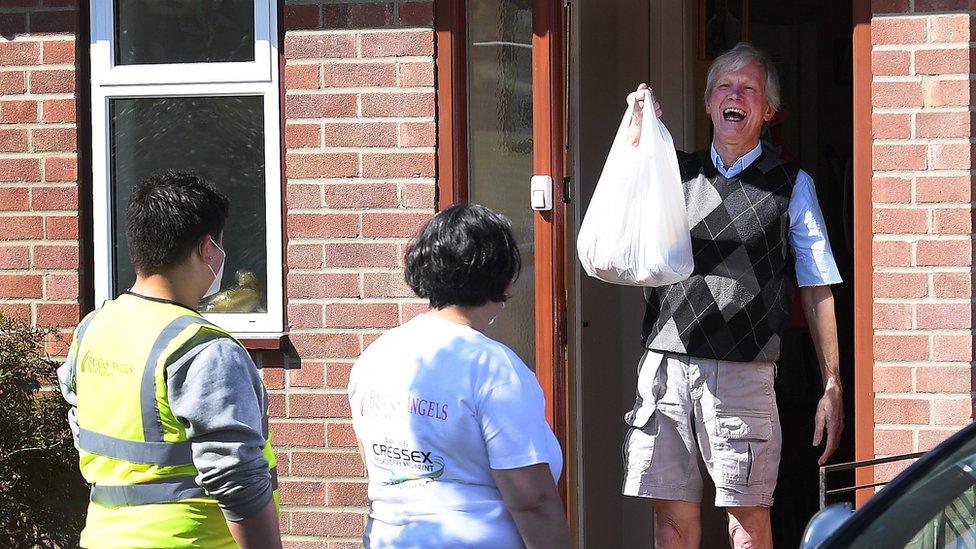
(737, 301)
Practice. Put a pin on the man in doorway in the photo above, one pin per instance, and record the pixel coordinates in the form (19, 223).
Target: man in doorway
(705, 385)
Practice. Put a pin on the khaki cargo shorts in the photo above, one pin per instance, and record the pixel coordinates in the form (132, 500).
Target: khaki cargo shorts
(688, 407)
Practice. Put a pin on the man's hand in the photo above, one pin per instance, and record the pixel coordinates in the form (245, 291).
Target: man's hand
(635, 120)
(829, 418)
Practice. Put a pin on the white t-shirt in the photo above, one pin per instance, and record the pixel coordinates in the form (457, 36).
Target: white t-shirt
(436, 406)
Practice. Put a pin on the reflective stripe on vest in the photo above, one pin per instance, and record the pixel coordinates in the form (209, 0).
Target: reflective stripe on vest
(153, 453)
(157, 491)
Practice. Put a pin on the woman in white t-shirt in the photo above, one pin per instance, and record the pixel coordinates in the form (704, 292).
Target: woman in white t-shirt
(450, 422)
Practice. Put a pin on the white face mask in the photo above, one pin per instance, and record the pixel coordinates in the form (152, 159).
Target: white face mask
(218, 274)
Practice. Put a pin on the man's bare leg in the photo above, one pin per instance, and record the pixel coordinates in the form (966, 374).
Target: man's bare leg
(677, 524)
(749, 528)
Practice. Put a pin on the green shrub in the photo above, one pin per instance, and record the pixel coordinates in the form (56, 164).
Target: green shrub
(42, 494)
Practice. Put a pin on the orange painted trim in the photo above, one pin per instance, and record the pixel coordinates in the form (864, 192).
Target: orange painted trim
(863, 238)
(451, 96)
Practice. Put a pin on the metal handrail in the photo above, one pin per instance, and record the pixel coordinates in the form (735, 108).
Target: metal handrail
(853, 465)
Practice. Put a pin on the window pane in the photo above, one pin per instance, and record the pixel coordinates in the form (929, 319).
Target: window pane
(183, 31)
(500, 145)
(220, 138)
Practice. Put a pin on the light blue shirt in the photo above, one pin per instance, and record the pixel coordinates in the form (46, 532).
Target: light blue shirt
(815, 265)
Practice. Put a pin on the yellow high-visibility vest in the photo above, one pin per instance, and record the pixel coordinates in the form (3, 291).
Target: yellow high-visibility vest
(133, 449)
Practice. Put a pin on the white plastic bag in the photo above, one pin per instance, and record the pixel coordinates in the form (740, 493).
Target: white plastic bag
(635, 231)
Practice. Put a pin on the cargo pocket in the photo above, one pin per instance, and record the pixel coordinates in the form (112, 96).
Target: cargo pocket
(740, 447)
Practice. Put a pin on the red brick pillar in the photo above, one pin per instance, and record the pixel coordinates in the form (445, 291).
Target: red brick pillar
(922, 64)
(38, 163)
(359, 136)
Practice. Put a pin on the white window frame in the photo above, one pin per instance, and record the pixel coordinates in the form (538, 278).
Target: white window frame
(258, 78)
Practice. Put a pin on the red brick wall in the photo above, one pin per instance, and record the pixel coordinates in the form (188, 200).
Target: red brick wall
(38, 162)
(923, 175)
(359, 134)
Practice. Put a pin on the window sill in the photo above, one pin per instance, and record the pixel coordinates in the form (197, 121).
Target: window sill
(264, 341)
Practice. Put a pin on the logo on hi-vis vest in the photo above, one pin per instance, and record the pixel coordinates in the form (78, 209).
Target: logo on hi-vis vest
(402, 463)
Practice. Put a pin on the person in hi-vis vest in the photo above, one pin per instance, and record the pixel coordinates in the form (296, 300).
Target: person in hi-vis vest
(168, 410)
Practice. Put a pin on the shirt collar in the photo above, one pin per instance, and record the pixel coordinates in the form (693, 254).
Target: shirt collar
(740, 165)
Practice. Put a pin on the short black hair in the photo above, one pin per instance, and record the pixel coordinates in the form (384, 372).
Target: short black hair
(167, 215)
(466, 255)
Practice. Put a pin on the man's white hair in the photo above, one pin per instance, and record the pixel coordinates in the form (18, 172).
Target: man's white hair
(741, 55)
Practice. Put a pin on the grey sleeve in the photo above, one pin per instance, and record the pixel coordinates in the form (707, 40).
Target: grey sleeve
(66, 382)
(216, 392)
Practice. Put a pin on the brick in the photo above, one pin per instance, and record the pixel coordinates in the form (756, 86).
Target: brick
(891, 190)
(18, 112)
(58, 52)
(418, 195)
(54, 139)
(356, 16)
(416, 14)
(326, 464)
(20, 311)
(942, 5)
(952, 285)
(410, 310)
(274, 378)
(327, 523)
(54, 22)
(304, 256)
(311, 374)
(892, 441)
(301, 77)
(386, 285)
(354, 255)
(900, 221)
(303, 196)
(892, 316)
(898, 157)
(13, 23)
(276, 405)
(403, 43)
(340, 435)
(944, 315)
(20, 285)
(901, 411)
(398, 105)
(896, 94)
(952, 221)
(892, 379)
(321, 105)
(418, 134)
(334, 345)
(321, 165)
(944, 93)
(351, 75)
(61, 168)
(58, 110)
(368, 195)
(391, 225)
(891, 126)
(54, 198)
(952, 348)
(21, 228)
(943, 124)
(888, 253)
(302, 135)
(302, 492)
(318, 405)
(956, 411)
(895, 348)
(20, 169)
(942, 62)
(337, 374)
(943, 189)
(313, 285)
(61, 228)
(57, 315)
(398, 164)
(944, 252)
(320, 45)
(13, 82)
(944, 379)
(368, 339)
(13, 52)
(416, 74)
(297, 434)
(304, 315)
(361, 315)
(13, 140)
(900, 30)
(301, 17)
(348, 494)
(56, 257)
(930, 438)
(361, 134)
(13, 257)
(950, 156)
(949, 28)
(13, 199)
(891, 63)
(323, 225)
(56, 81)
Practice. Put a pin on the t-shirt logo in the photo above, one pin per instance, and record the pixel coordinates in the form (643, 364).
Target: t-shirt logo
(402, 463)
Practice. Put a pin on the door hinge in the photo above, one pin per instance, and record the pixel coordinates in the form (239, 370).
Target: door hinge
(567, 189)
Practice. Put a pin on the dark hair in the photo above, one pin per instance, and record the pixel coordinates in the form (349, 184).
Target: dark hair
(167, 215)
(466, 255)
